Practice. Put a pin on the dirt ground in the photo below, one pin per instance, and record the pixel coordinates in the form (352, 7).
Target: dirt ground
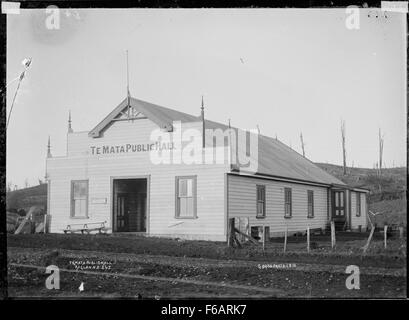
(137, 267)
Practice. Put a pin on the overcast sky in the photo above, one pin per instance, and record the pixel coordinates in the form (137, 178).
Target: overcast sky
(285, 70)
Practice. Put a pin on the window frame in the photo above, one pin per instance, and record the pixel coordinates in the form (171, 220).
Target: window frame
(262, 187)
(358, 204)
(72, 205)
(194, 196)
(290, 203)
(310, 214)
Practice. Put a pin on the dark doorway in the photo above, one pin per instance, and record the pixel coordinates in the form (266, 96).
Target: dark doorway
(129, 205)
(338, 206)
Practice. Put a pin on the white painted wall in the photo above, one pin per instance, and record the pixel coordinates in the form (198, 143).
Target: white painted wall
(362, 220)
(99, 169)
(77, 143)
(242, 203)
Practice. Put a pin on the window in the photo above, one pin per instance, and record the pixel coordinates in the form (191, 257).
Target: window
(287, 203)
(310, 195)
(261, 201)
(79, 199)
(358, 204)
(186, 197)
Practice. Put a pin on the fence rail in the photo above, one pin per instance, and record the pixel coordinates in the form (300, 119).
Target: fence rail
(311, 239)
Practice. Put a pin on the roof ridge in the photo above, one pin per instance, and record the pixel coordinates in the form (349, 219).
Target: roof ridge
(274, 156)
(166, 108)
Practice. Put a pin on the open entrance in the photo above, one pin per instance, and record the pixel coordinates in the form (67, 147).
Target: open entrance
(129, 205)
(339, 208)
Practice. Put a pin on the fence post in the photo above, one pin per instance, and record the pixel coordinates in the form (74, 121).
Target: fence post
(332, 234)
(400, 232)
(308, 239)
(230, 231)
(369, 238)
(45, 223)
(285, 238)
(385, 234)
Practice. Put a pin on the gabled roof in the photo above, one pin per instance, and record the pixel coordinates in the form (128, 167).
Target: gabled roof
(277, 159)
(162, 116)
(274, 157)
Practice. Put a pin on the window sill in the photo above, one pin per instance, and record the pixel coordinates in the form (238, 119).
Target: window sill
(79, 218)
(287, 217)
(260, 217)
(310, 217)
(186, 218)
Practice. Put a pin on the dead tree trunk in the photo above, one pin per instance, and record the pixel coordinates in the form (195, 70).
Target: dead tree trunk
(380, 151)
(343, 146)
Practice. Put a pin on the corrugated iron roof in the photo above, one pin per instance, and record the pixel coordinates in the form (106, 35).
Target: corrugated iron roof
(274, 157)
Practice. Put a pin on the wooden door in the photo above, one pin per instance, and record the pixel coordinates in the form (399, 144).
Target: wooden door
(338, 205)
(133, 212)
(121, 216)
(137, 213)
(142, 212)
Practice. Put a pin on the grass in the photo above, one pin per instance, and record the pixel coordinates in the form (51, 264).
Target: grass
(345, 251)
(392, 212)
(287, 283)
(320, 273)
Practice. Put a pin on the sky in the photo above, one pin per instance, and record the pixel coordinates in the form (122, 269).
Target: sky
(286, 70)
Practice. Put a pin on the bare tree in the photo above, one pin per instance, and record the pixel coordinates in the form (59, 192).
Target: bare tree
(380, 136)
(344, 156)
(26, 184)
(302, 145)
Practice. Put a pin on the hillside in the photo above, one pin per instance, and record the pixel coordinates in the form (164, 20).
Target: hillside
(25, 198)
(392, 183)
(387, 193)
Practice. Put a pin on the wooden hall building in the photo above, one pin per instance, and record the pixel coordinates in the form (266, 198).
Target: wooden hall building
(112, 173)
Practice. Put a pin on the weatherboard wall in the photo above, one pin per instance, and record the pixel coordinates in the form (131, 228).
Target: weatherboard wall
(100, 169)
(361, 220)
(217, 196)
(242, 203)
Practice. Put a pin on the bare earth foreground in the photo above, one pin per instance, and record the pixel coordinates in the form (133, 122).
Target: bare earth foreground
(138, 267)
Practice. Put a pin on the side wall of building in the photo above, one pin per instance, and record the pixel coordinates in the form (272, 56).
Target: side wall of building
(242, 203)
(361, 220)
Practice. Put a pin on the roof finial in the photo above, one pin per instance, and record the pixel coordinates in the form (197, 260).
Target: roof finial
(128, 94)
(258, 129)
(229, 124)
(127, 75)
(69, 122)
(49, 155)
